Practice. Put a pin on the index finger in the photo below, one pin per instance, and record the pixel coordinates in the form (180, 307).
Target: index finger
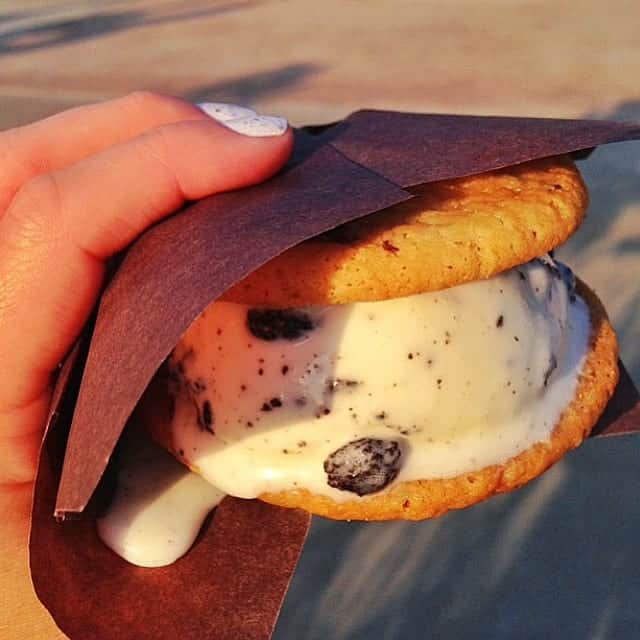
(65, 138)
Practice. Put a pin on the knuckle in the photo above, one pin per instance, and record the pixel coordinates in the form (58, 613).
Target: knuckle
(153, 102)
(37, 193)
(157, 149)
(37, 203)
(143, 98)
(158, 141)
(157, 145)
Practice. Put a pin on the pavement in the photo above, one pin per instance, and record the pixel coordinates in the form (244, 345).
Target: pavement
(558, 559)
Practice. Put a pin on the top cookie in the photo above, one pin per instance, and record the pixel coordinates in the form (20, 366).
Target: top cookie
(452, 232)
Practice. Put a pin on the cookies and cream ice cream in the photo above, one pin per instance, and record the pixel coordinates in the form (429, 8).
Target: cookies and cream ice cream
(346, 400)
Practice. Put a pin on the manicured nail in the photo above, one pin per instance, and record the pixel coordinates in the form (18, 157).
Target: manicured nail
(222, 112)
(258, 126)
(245, 121)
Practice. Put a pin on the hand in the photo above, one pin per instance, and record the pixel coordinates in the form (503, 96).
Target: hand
(74, 190)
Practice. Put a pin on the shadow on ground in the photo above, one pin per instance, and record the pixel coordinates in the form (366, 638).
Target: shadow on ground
(54, 33)
(12, 17)
(249, 88)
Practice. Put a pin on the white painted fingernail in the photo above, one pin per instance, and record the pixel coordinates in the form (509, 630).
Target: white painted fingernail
(258, 126)
(222, 112)
(244, 120)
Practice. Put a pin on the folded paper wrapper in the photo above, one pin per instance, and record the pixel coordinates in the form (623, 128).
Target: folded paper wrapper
(233, 581)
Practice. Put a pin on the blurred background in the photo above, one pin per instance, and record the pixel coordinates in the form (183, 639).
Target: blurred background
(558, 559)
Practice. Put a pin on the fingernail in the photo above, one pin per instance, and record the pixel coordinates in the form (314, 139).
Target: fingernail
(258, 126)
(245, 121)
(222, 112)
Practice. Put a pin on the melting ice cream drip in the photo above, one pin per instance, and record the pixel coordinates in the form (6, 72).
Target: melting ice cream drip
(158, 507)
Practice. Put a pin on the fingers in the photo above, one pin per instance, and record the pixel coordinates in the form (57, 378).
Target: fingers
(174, 163)
(60, 227)
(67, 137)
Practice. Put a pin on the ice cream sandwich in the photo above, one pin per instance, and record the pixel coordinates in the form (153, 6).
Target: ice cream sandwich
(417, 360)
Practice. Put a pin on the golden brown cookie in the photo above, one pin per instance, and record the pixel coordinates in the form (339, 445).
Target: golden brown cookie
(454, 231)
(421, 499)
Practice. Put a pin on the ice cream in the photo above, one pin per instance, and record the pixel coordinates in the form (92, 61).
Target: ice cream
(158, 507)
(348, 400)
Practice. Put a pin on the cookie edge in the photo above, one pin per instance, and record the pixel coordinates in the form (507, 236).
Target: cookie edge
(402, 258)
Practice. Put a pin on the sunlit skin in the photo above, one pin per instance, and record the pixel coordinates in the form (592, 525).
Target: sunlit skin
(76, 189)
